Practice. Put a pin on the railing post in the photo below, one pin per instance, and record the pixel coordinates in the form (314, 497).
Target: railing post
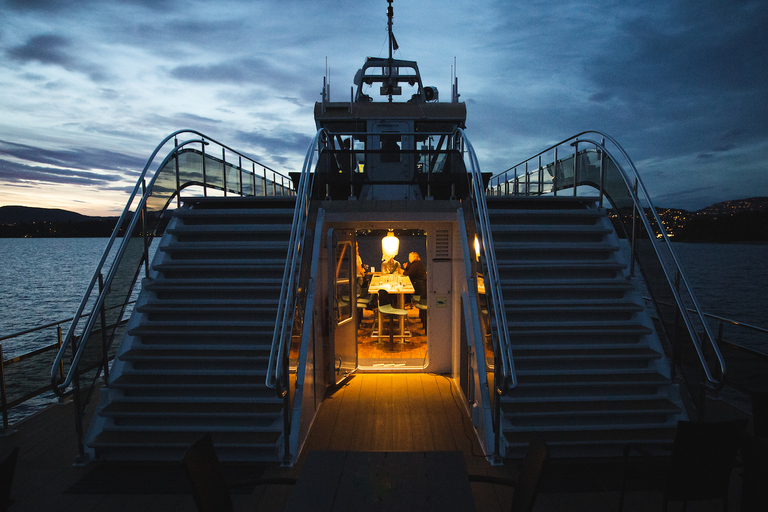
(516, 188)
(61, 363)
(541, 177)
(76, 398)
(224, 170)
(554, 175)
(205, 180)
(602, 170)
(178, 177)
(3, 396)
(265, 181)
(634, 234)
(527, 180)
(103, 315)
(240, 174)
(253, 178)
(675, 323)
(575, 164)
(144, 227)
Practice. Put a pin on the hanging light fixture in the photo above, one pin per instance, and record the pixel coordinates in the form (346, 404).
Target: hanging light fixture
(390, 245)
(477, 248)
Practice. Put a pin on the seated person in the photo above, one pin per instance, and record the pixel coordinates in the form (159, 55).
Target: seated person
(360, 267)
(416, 270)
(390, 265)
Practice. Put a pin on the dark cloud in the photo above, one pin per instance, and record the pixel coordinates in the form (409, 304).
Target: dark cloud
(55, 50)
(48, 49)
(277, 147)
(14, 172)
(72, 161)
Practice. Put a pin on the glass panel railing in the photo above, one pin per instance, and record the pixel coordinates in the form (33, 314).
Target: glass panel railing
(144, 217)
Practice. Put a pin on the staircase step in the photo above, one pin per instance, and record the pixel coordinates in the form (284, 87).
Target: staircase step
(554, 247)
(595, 441)
(203, 409)
(184, 437)
(617, 407)
(573, 326)
(230, 229)
(189, 380)
(232, 214)
(224, 246)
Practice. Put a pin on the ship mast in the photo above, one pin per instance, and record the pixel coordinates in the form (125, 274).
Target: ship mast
(392, 46)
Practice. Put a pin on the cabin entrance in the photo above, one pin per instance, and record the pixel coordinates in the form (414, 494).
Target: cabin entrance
(421, 335)
(392, 340)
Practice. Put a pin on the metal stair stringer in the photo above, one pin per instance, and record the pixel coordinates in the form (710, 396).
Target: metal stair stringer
(592, 375)
(196, 348)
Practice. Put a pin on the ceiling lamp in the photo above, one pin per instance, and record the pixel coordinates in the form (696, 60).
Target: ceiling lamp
(390, 245)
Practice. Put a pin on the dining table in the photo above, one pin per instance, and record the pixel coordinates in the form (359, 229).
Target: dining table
(398, 286)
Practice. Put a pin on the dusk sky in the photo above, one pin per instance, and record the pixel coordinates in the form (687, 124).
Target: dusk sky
(90, 87)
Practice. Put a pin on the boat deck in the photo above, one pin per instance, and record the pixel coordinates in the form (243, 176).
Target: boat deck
(372, 412)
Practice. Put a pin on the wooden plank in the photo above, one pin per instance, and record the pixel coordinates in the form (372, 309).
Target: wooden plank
(421, 434)
(383, 406)
(341, 439)
(362, 433)
(402, 426)
(438, 421)
(325, 422)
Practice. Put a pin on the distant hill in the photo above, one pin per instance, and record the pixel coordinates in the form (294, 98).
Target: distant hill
(24, 221)
(24, 214)
(753, 204)
(743, 220)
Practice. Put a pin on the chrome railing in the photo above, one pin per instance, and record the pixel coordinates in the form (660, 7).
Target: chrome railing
(600, 170)
(507, 379)
(144, 217)
(277, 372)
(30, 379)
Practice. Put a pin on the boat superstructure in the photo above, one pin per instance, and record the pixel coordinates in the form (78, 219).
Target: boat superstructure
(246, 315)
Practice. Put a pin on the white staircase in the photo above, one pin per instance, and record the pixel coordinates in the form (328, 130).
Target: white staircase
(591, 370)
(195, 355)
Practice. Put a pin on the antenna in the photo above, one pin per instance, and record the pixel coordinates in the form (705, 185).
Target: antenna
(392, 46)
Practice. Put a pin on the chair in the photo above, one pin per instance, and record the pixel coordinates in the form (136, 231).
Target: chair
(759, 401)
(7, 469)
(363, 298)
(419, 300)
(527, 484)
(206, 479)
(386, 308)
(754, 486)
(700, 465)
(421, 305)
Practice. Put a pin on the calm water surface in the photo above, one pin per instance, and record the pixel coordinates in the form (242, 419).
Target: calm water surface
(730, 280)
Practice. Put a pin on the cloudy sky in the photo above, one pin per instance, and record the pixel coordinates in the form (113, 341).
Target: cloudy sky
(90, 87)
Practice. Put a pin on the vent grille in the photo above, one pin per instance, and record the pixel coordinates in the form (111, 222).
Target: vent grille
(442, 244)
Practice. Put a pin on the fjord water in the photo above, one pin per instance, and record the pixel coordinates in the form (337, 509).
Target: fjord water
(731, 281)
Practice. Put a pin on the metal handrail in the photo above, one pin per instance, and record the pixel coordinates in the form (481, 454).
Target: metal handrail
(60, 386)
(634, 185)
(492, 281)
(288, 296)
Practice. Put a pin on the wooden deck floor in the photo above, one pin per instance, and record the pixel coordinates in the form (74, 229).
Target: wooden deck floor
(372, 412)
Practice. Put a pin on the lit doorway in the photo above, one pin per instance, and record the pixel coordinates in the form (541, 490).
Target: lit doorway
(407, 348)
